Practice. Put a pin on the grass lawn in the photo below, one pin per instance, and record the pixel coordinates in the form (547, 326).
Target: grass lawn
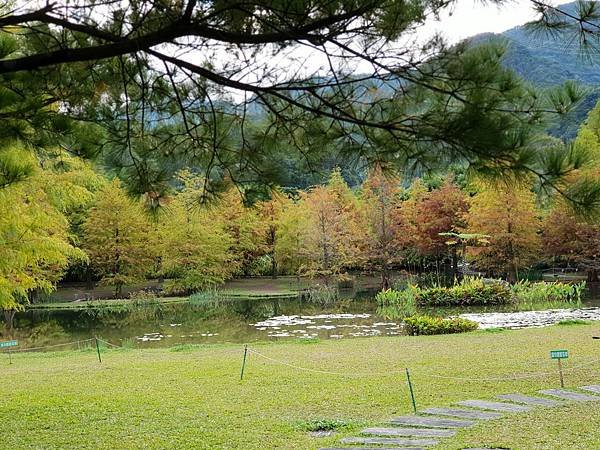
(191, 397)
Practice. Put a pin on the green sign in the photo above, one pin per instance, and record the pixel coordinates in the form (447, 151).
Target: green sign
(8, 344)
(559, 354)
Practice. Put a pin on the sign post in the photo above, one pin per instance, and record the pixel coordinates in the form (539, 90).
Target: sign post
(9, 344)
(559, 355)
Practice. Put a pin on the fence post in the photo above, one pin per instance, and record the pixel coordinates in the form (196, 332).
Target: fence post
(9, 356)
(560, 373)
(98, 349)
(244, 361)
(412, 394)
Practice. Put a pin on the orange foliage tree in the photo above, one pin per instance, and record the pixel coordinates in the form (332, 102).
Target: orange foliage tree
(509, 216)
(439, 211)
(385, 237)
(334, 236)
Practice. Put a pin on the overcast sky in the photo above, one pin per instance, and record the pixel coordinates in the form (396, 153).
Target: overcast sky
(472, 17)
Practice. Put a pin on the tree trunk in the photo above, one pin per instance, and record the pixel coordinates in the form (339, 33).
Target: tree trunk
(454, 262)
(592, 276)
(385, 279)
(9, 316)
(273, 267)
(511, 276)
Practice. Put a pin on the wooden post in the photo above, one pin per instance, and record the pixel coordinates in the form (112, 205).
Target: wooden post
(562, 383)
(98, 349)
(9, 356)
(412, 394)
(244, 361)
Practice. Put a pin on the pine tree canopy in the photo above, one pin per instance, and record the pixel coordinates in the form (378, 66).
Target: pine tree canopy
(241, 91)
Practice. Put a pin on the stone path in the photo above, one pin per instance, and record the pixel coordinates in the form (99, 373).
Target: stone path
(390, 441)
(568, 395)
(433, 422)
(421, 431)
(462, 413)
(533, 401)
(414, 432)
(494, 406)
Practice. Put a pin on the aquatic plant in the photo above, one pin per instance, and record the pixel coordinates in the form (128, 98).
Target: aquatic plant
(527, 292)
(427, 325)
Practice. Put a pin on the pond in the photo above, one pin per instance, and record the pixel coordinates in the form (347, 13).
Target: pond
(249, 320)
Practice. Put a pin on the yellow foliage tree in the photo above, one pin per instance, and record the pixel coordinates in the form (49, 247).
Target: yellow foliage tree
(35, 243)
(334, 233)
(117, 238)
(195, 247)
(509, 216)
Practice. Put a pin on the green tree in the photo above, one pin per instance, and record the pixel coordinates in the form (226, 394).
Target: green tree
(117, 238)
(195, 249)
(164, 111)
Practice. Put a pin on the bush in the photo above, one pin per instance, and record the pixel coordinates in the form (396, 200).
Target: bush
(427, 325)
(469, 291)
(528, 292)
(325, 425)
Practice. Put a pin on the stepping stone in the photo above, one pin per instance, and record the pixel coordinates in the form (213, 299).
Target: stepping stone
(593, 388)
(533, 401)
(415, 432)
(390, 441)
(463, 413)
(373, 448)
(494, 406)
(433, 422)
(569, 395)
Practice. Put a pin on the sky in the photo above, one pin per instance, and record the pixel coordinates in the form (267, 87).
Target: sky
(471, 17)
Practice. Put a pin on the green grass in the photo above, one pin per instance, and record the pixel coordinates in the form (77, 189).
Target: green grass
(193, 398)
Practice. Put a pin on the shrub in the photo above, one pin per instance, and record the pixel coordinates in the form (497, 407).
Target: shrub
(469, 291)
(528, 292)
(427, 325)
(574, 322)
(325, 425)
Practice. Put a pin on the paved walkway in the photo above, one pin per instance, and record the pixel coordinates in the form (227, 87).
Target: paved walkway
(425, 430)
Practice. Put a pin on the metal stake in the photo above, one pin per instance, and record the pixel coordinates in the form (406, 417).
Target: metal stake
(562, 383)
(410, 388)
(244, 361)
(98, 350)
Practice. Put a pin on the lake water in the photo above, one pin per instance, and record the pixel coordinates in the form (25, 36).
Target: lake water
(240, 321)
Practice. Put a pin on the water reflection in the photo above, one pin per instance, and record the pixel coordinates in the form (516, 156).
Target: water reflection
(237, 321)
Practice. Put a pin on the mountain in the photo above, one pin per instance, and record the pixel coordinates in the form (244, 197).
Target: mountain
(545, 61)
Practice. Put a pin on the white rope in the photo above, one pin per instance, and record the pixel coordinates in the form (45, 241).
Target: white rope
(305, 369)
(509, 377)
(47, 346)
(108, 343)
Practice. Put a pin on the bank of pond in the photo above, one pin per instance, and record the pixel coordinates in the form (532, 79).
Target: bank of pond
(210, 317)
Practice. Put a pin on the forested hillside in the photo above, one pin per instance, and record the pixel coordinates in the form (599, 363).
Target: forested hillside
(545, 61)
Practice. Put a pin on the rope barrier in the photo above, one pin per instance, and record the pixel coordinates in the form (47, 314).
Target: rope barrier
(110, 344)
(48, 346)
(509, 377)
